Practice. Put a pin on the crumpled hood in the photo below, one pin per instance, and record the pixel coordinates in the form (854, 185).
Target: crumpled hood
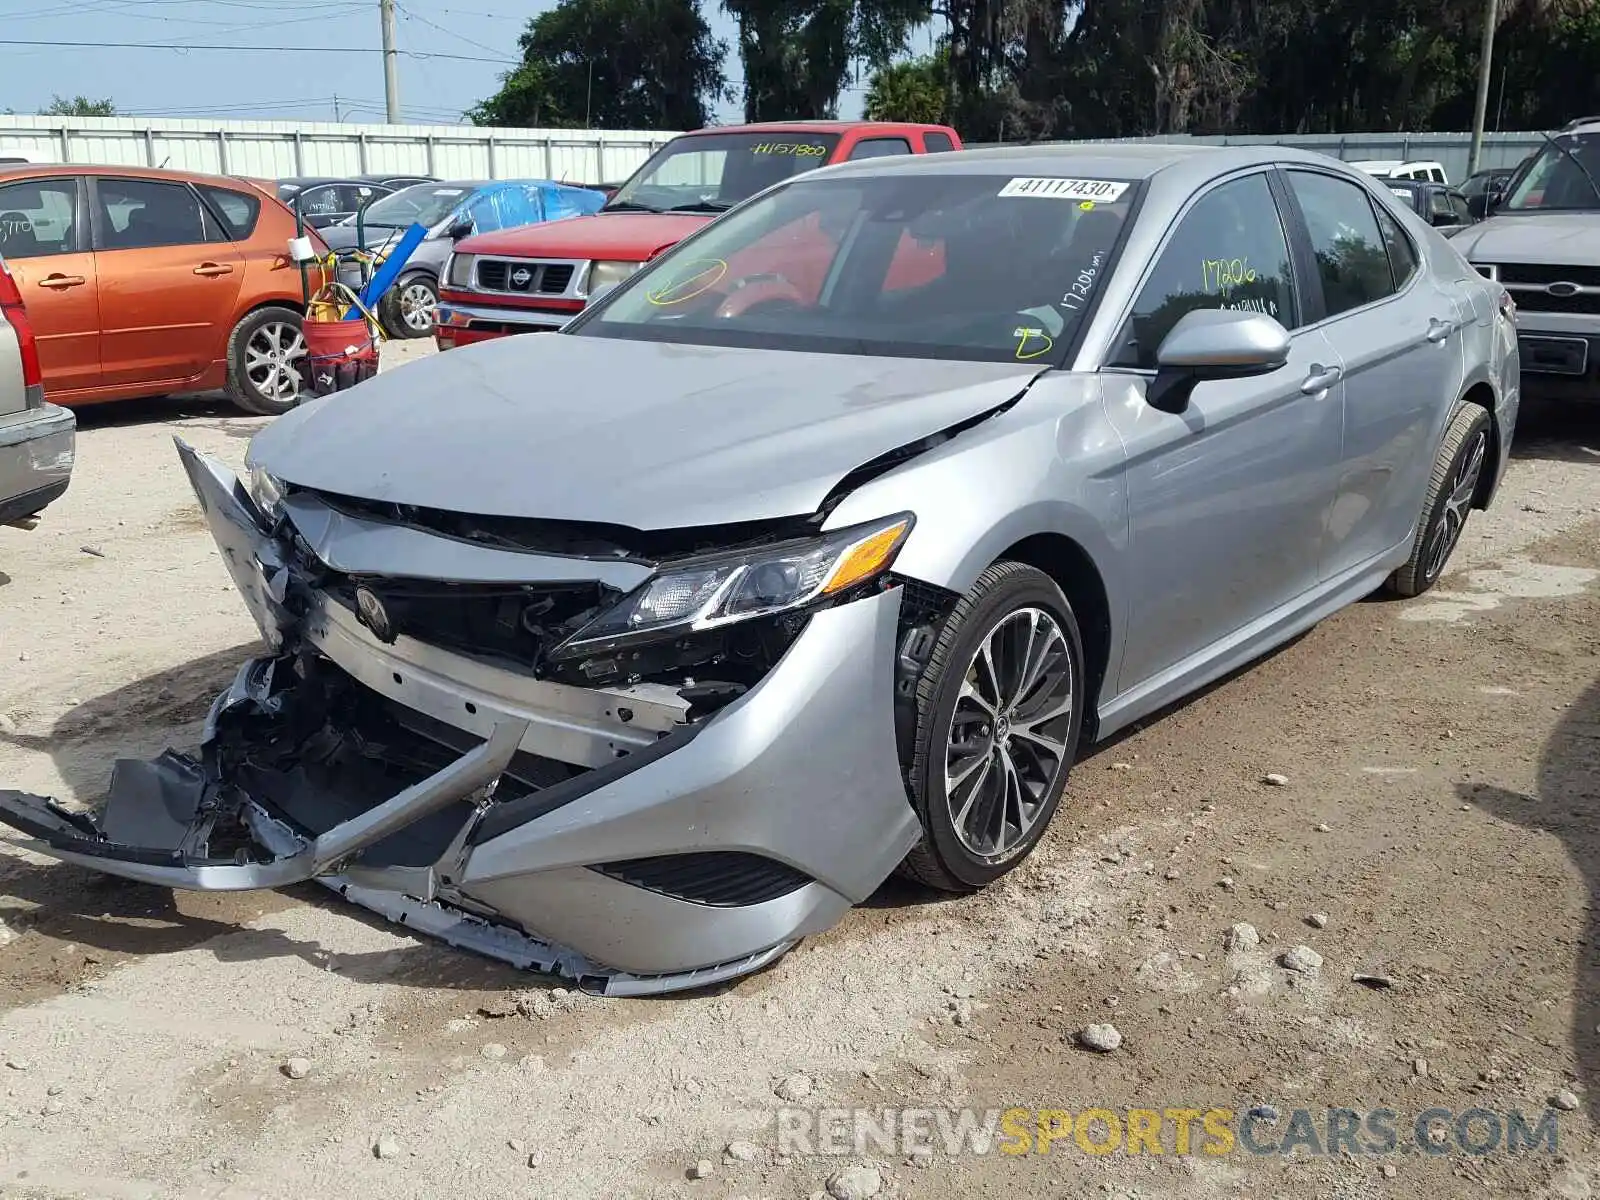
(641, 434)
(1556, 239)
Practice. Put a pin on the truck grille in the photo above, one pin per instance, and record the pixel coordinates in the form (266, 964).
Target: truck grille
(1539, 274)
(540, 279)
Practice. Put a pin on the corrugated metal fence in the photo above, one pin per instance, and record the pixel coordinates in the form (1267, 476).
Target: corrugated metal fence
(1450, 150)
(274, 149)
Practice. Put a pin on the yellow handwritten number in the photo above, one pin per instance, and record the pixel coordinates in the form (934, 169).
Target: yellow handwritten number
(1031, 343)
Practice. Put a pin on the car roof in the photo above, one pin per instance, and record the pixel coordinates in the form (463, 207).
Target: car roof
(1582, 125)
(14, 171)
(1109, 160)
(815, 127)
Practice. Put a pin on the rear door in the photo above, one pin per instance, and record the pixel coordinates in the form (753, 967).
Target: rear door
(1398, 338)
(169, 279)
(44, 238)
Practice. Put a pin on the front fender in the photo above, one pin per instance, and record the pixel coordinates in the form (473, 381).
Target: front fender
(1051, 464)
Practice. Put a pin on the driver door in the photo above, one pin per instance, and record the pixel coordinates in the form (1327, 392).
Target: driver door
(1227, 501)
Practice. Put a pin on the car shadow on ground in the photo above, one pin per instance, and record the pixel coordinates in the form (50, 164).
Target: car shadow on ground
(1566, 805)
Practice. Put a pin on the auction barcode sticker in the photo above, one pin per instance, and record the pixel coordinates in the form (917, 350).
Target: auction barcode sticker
(1056, 188)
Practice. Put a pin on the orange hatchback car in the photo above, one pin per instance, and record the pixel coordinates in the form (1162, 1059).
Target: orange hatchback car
(140, 282)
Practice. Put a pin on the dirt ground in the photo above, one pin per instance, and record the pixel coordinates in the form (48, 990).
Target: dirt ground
(1437, 824)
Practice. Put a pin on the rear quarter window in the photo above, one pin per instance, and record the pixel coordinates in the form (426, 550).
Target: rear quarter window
(937, 143)
(236, 211)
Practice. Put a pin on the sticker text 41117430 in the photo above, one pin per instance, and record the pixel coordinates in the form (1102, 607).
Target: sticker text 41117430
(1056, 188)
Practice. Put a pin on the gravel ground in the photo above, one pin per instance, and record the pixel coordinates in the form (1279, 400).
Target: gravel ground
(1432, 820)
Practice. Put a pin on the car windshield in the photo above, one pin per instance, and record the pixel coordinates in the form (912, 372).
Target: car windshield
(1553, 181)
(984, 267)
(426, 203)
(714, 171)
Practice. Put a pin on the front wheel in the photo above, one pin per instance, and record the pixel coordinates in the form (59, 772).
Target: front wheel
(266, 361)
(999, 711)
(412, 308)
(1451, 489)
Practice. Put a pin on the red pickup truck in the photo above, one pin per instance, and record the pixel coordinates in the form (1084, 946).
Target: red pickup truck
(537, 277)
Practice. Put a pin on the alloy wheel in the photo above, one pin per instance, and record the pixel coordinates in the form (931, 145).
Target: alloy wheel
(418, 306)
(272, 360)
(1007, 740)
(1457, 503)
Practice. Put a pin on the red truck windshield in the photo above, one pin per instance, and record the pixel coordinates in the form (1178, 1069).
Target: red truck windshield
(710, 172)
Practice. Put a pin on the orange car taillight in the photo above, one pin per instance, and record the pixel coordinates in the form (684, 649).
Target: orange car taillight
(17, 314)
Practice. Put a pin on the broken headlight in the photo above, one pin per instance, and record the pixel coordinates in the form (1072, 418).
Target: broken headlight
(266, 493)
(703, 593)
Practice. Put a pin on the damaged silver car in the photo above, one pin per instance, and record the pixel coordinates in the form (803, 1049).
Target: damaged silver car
(816, 549)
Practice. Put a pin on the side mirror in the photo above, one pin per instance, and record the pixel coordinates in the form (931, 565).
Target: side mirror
(1497, 197)
(599, 294)
(459, 228)
(1211, 343)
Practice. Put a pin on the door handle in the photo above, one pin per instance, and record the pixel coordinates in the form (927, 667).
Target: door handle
(62, 281)
(1439, 330)
(212, 269)
(1321, 379)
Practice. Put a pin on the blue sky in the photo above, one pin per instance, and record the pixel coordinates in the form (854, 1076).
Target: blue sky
(480, 34)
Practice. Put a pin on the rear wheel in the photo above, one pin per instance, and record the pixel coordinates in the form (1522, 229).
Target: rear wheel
(266, 361)
(999, 711)
(1451, 489)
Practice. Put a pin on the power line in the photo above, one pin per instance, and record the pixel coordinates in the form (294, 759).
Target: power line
(508, 62)
(411, 16)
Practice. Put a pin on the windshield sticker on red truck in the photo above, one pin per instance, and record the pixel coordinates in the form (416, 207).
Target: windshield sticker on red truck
(704, 274)
(799, 149)
(1056, 188)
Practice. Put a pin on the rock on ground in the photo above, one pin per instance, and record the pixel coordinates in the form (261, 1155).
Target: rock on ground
(855, 1182)
(1303, 959)
(1100, 1038)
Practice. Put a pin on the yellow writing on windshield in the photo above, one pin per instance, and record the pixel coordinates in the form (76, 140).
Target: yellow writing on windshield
(1220, 274)
(706, 274)
(801, 149)
(1032, 342)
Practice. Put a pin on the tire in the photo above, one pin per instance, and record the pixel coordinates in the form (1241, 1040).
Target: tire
(410, 309)
(265, 361)
(1451, 488)
(958, 750)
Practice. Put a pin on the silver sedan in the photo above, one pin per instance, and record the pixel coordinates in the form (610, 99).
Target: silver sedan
(819, 548)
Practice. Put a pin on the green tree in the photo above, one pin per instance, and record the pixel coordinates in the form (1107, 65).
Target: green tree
(78, 106)
(914, 90)
(798, 55)
(612, 64)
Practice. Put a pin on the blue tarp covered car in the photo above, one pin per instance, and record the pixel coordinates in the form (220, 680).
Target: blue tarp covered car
(450, 210)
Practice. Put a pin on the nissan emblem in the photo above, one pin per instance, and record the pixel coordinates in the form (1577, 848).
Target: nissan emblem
(521, 277)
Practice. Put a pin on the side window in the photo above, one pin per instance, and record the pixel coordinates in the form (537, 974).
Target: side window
(1351, 259)
(1437, 174)
(1402, 254)
(1228, 252)
(879, 148)
(139, 213)
(238, 210)
(38, 217)
(322, 201)
(1438, 204)
(937, 143)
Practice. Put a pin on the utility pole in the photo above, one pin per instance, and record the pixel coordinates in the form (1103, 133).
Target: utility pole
(1480, 107)
(391, 73)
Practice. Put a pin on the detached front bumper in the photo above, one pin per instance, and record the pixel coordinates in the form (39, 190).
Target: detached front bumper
(602, 833)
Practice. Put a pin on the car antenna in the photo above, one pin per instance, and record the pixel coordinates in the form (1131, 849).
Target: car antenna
(1576, 161)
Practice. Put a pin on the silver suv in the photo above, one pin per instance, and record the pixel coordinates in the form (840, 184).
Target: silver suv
(1542, 242)
(36, 439)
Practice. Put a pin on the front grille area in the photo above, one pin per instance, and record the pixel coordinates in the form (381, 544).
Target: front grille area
(1584, 303)
(720, 878)
(1538, 273)
(524, 278)
(515, 623)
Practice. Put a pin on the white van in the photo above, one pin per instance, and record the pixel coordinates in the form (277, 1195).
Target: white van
(1394, 168)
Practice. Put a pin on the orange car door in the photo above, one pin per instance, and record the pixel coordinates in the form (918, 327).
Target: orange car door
(168, 281)
(44, 238)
